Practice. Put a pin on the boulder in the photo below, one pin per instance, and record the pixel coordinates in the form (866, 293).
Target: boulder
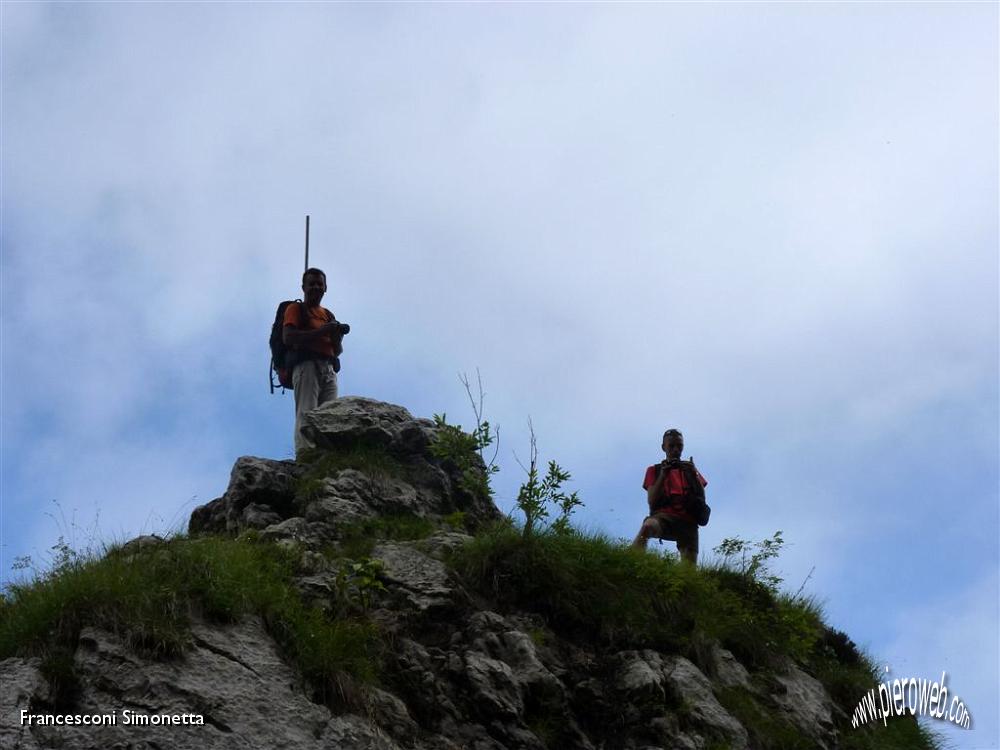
(354, 420)
(261, 492)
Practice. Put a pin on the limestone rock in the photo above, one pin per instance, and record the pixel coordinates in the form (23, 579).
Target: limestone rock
(353, 419)
(258, 516)
(442, 543)
(392, 715)
(495, 692)
(232, 677)
(421, 580)
(728, 671)
(23, 684)
(639, 678)
(806, 705)
(257, 487)
(694, 688)
(652, 684)
(343, 499)
(353, 733)
(535, 679)
(294, 530)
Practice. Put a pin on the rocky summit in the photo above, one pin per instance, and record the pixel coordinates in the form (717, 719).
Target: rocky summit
(369, 528)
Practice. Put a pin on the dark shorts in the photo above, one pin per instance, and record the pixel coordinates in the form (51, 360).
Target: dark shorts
(685, 533)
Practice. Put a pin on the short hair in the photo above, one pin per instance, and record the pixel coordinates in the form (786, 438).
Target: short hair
(315, 271)
(673, 432)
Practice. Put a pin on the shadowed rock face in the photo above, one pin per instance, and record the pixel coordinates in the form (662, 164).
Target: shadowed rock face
(456, 674)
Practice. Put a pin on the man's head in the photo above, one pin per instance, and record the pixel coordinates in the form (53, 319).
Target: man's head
(673, 444)
(313, 286)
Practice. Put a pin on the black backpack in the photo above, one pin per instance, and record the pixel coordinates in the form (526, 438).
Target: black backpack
(694, 498)
(283, 359)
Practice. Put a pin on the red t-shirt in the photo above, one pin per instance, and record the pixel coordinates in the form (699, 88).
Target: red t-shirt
(674, 484)
(318, 316)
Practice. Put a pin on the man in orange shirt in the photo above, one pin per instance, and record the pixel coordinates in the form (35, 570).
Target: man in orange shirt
(315, 346)
(668, 492)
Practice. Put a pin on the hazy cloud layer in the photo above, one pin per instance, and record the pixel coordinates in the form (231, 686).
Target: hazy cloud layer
(772, 225)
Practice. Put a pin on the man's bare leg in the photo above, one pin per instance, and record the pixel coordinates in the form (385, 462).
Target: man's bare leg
(650, 528)
(688, 554)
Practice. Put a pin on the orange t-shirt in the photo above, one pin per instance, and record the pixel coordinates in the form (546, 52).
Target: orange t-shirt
(318, 316)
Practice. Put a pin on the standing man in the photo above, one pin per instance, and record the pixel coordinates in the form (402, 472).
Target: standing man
(669, 492)
(314, 338)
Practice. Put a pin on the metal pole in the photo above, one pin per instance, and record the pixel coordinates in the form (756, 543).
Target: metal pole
(307, 244)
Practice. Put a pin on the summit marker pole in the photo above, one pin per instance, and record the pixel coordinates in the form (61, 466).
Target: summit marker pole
(307, 244)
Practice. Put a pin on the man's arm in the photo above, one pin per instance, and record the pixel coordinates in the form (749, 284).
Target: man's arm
(654, 492)
(704, 482)
(295, 337)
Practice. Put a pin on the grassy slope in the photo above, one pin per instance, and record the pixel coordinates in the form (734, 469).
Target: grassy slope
(591, 588)
(588, 588)
(150, 597)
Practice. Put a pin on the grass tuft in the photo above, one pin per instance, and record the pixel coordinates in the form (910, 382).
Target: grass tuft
(766, 729)
(357, 540)
(150, 597)
(604, 589)
(373, 460)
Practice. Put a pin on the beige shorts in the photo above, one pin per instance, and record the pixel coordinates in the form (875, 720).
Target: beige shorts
(685, 533)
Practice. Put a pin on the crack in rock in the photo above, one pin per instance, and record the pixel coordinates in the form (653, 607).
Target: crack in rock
(218, 650)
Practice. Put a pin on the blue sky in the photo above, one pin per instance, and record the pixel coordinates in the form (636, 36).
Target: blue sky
(772, 225)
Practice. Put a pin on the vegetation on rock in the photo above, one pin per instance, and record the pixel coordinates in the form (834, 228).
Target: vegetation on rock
(150, 596)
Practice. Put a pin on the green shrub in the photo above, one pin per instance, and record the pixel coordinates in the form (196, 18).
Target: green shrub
(536, 494)
(751, 559)
(464, 452)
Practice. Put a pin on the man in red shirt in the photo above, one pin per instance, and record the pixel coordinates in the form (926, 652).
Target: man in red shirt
(315, 345)
(666, 486)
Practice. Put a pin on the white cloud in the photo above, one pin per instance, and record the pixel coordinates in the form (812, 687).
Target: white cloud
(774, 226)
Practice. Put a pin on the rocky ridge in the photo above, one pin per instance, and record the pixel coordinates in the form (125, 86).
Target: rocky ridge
(458, 673)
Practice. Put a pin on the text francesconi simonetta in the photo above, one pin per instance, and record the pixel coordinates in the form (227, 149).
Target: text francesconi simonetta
(127, 718)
